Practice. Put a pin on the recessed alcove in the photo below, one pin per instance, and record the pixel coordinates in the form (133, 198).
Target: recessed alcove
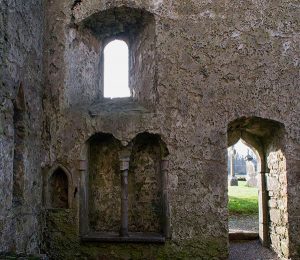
(145, 184)
(59, 190)
(123, 194)
(104, 183)
(85, 52)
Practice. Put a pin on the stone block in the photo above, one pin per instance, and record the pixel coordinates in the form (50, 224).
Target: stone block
(273, 184)
(275, 216)
(280, 230)
(272, 203)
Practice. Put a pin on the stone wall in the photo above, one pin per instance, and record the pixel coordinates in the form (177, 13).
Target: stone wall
(21, 28)
(276, 186)
(215, 63)
(276, 181)
(293, 189)
(82, 48)
(207, 63)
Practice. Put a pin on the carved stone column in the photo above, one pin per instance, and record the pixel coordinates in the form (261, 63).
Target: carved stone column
(124, 166)
(166, 213)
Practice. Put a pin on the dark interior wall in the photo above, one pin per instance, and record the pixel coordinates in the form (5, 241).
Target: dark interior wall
(216, 62)
(21, 29)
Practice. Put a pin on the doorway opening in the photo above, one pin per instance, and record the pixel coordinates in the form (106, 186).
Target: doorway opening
(266, 138)
(243, 168)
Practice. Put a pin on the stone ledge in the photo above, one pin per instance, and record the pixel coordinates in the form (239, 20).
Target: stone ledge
(116, 105)
(115, 237)
(244, 235)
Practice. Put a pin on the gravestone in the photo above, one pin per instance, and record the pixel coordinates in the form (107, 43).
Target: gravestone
(251, 173)
(233, 181)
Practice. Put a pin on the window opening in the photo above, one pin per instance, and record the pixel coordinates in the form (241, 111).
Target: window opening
(116, 60)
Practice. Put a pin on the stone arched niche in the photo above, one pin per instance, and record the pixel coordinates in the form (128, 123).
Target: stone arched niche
(58, 188)
(123, 194)
(145, 184)
(267, 138)
(104, 185)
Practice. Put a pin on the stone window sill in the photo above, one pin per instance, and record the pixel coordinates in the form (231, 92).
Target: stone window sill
(116, 106)
(115, 237)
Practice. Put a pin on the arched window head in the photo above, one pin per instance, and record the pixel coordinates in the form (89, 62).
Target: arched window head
(116, 70)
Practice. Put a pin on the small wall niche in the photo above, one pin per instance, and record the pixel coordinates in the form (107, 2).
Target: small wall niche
(58, 188)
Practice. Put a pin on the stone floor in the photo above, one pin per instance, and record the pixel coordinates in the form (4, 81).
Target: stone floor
(250, 250)
(243, 223)
(247, 250)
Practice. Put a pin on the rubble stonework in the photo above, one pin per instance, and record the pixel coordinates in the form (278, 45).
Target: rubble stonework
(21, 37)
(202, 75)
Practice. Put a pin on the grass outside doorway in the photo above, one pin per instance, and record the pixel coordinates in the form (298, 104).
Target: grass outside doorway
(243, 200)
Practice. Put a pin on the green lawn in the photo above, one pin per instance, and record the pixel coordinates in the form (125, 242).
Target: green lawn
(242, 199)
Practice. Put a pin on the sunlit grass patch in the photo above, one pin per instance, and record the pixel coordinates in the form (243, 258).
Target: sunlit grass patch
(242, 199)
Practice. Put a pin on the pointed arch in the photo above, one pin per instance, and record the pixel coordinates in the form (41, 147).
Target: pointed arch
(266, 136)
(59, 188)
(146, 184)
(103, 180)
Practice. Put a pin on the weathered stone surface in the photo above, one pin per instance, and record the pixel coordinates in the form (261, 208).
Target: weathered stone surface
(204, 74)
(21, 37)
(145, 185)
(104, 183)
(59, 189)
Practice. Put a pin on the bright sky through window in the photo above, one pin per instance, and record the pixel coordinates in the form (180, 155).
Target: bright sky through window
(243, 149)
(116, 70)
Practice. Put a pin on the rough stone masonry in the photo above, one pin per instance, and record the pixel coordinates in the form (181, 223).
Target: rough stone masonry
(202, 75)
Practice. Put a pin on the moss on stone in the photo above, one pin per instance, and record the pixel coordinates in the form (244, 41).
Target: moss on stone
(61, 235)
(209, 249)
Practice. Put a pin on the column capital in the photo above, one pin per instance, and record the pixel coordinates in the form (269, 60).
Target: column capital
(164, 164)
(124, 163)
